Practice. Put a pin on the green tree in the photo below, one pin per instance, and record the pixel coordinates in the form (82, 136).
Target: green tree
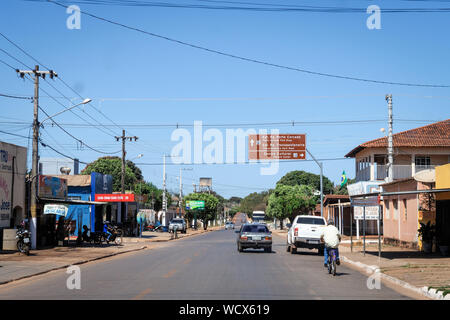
(153, 193)
(288, 201)
(256, 201)
(306, 178)
(210, 211)
(112, 166)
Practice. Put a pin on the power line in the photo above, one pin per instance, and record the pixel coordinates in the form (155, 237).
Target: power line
(60, 153)
(241, 163)
(68, 133)
(90, 124)
(15, 97)
(30, 56)
(75, 138)
(229, 55)
(15, 134)
(254, 124)
(254, 7)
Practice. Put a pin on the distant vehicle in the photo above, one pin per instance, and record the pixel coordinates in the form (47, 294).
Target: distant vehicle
(305, 233)
(258, 216)
(256, 236)
(179, 223)
(229, 225)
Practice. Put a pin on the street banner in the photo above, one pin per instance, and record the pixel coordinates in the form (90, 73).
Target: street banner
(128, 197)
(58, 209)
(277, 146)
(195, 204)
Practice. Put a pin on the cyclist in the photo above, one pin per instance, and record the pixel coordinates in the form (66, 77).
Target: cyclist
(330, 235)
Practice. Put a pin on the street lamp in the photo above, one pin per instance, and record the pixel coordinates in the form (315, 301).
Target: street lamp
(85, 101)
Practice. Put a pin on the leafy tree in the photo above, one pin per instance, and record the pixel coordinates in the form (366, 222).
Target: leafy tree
(288, 201)
(112, 166)
(235, 199)
(153, 193)
(306, 178)
(137, 172)
(210, 211)
(256, 201)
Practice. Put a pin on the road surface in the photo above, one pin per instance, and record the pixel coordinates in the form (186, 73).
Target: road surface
(207, 266)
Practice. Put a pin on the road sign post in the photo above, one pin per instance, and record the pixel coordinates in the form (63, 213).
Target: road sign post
(195, 205)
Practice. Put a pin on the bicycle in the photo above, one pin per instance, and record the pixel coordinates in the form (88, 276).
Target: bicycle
(331, 261)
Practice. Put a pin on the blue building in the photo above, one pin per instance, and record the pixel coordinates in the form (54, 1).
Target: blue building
(83, 188)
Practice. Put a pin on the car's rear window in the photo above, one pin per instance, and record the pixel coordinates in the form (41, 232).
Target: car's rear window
(177, 221)
(306, 220)
(255, 228)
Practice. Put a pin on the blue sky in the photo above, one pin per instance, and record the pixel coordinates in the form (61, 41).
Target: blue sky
(137, 79)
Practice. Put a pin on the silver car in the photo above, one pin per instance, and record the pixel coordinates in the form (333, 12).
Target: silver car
(255, 236)
(179, 223)
(229, 225)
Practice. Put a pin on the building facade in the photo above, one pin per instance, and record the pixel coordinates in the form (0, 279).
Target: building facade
(13, 166)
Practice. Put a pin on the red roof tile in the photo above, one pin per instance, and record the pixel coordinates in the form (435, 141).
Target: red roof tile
(432, 135)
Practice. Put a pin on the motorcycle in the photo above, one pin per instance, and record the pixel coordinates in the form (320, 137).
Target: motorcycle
(24, 240)
(154, 227)
(116, 235)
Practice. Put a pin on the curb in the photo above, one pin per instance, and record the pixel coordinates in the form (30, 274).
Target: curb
(372, 269)
(72, 264)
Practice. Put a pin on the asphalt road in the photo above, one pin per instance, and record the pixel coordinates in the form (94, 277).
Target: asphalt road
(205, 267)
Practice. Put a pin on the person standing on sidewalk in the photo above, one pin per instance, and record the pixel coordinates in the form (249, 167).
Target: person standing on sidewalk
(331, 236)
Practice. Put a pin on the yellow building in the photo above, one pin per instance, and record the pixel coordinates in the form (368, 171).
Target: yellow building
(443, 205)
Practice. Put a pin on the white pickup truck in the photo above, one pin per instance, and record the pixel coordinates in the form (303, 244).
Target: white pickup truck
(305, 233)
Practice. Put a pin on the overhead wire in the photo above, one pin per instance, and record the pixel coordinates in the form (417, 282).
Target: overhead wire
(261, 62)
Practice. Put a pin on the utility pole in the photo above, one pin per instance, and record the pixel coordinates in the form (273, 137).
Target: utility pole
(35, 154)
(164, 204)
(181, 190)
(390, 141)
(320, 164)
(181, 195)
(124, 153)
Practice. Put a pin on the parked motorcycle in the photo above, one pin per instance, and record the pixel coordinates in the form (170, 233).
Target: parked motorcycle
(24, 239)
(154, 227)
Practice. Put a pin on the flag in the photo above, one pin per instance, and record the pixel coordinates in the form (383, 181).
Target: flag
(343, 179)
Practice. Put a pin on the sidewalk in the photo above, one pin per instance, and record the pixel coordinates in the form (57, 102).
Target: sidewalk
(407, 268)
(15, 266)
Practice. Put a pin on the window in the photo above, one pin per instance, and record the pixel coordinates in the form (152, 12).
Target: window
(395, 203)
(304, 220)
(255, 228)
(405, 208)
(422, 161)
(387, 210)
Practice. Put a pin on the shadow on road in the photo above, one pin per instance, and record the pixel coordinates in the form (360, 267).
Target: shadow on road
(308, 253)
(256, 251)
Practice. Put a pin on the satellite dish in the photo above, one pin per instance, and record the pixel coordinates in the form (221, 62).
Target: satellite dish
(427, 176)
(65, 170)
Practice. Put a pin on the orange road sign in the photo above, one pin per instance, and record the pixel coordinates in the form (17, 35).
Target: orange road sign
(277, 147)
